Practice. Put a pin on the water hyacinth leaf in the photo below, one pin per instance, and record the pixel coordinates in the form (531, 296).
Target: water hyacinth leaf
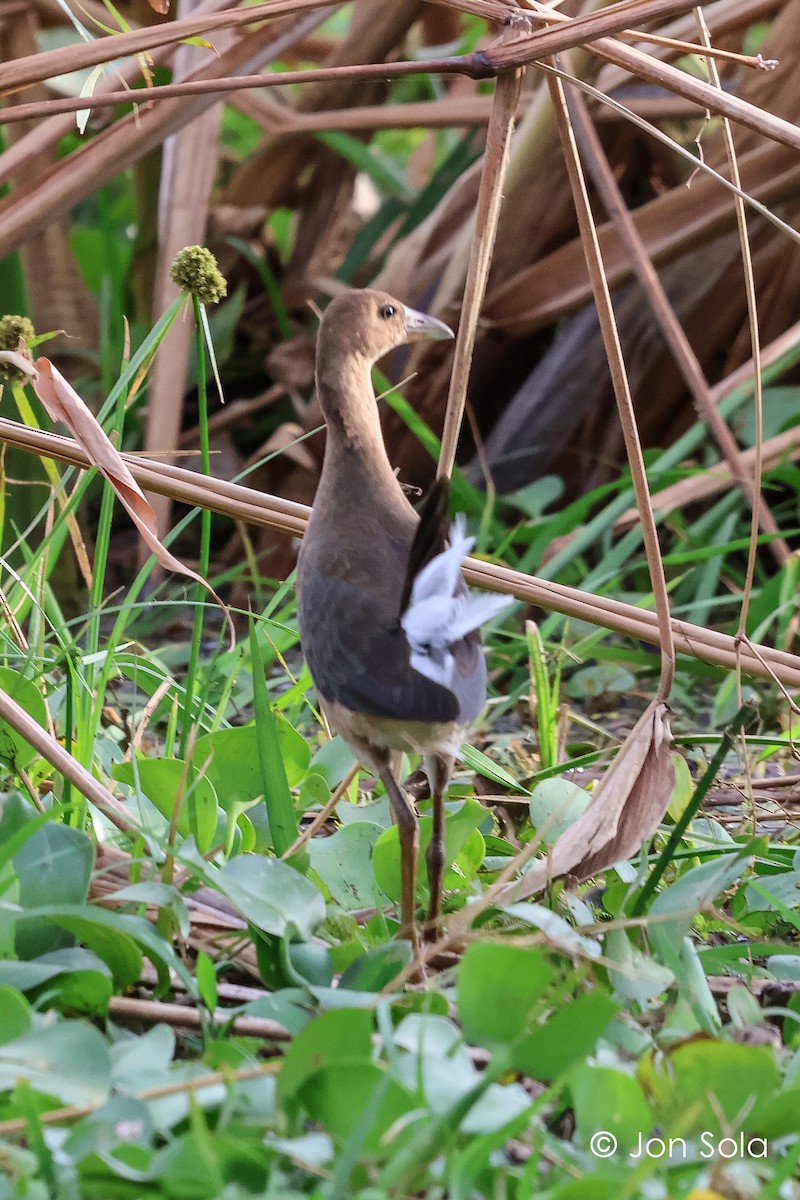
(555, 804)
(499, 986)
(690, 894)
(636, 976)
(69, 1062)
(289, 1007)
(164, 781)
(350, 1094)
(162, 895)
(609, 1100)
(84, 982)
(14, 750)
(703, 1084)
(344, 1034)
(343, 862)
(141, 1061)
(271, 895)
(117, 938)
(54, 866)
(559, 932)
(459, 827)
(15, 1014)
(571, 1033)
(373, 971)
(231, 761)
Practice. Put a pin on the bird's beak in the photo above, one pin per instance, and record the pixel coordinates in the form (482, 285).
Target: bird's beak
(420, 325)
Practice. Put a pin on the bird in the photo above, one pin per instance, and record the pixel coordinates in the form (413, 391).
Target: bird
(388, 628)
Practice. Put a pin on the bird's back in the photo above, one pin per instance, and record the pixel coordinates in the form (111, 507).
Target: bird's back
(353, 579)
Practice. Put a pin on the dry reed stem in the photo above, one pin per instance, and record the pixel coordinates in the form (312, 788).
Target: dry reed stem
(645, 66)
(713, 480)
(688, 364)
(569, 33)
(74, 1112)
(619, 378)
(724, 17)
(49, 132)
(50, 750)
(287, 516)
(36, 68)
(755, 343)
(487, 214)
(323, 815)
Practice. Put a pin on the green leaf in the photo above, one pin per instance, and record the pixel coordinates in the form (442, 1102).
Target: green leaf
(15, 1014)
(206, 980)
(459, 827)
(161, 780)
(54, 866)
(636, 976)
(476, 760)
(14, 750)
(571, 1033)
(609, 1100)
(84, 982)
(691, 893)
(379, 169)
(341, 1035)
(344, 1095)
(374, 970)
(271, 894)
(344, 864)
(499, 986)
(113, 937)
(68, 1061)
(555, 804)
(702, 1083)
(274, 784)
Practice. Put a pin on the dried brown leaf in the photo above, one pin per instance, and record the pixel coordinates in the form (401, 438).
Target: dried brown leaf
(62, 403)
(626, 809)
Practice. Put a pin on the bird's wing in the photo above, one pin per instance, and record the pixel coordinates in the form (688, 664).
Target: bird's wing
(358, 660)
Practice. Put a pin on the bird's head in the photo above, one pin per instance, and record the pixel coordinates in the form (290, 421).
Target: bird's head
(370, 324)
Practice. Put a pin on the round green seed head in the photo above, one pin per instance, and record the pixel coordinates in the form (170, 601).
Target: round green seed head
(195, 271)
(12, 329)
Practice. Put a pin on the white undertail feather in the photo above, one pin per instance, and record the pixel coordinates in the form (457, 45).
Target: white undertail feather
(439, 615)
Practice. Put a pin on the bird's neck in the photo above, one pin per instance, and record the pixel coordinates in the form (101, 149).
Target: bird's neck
(354, 437)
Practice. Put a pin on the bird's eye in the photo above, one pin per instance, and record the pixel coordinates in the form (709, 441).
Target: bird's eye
(387, 311)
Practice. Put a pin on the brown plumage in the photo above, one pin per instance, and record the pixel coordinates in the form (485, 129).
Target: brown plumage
(387, 625)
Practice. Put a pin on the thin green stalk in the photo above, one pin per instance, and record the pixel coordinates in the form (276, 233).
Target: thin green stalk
(93, 705)
(205, 529)
(701, 791)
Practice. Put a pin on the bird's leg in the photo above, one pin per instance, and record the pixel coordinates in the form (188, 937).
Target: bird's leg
(408, 831)
(438, 768)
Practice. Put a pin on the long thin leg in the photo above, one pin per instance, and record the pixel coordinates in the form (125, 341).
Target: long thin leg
(408, 831)
(438, 768)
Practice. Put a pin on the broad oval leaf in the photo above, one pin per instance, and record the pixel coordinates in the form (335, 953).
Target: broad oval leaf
(271, 895)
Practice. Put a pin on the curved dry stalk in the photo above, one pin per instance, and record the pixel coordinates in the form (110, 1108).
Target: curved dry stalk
(679, 344)
(487, 213)
(610, 334)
